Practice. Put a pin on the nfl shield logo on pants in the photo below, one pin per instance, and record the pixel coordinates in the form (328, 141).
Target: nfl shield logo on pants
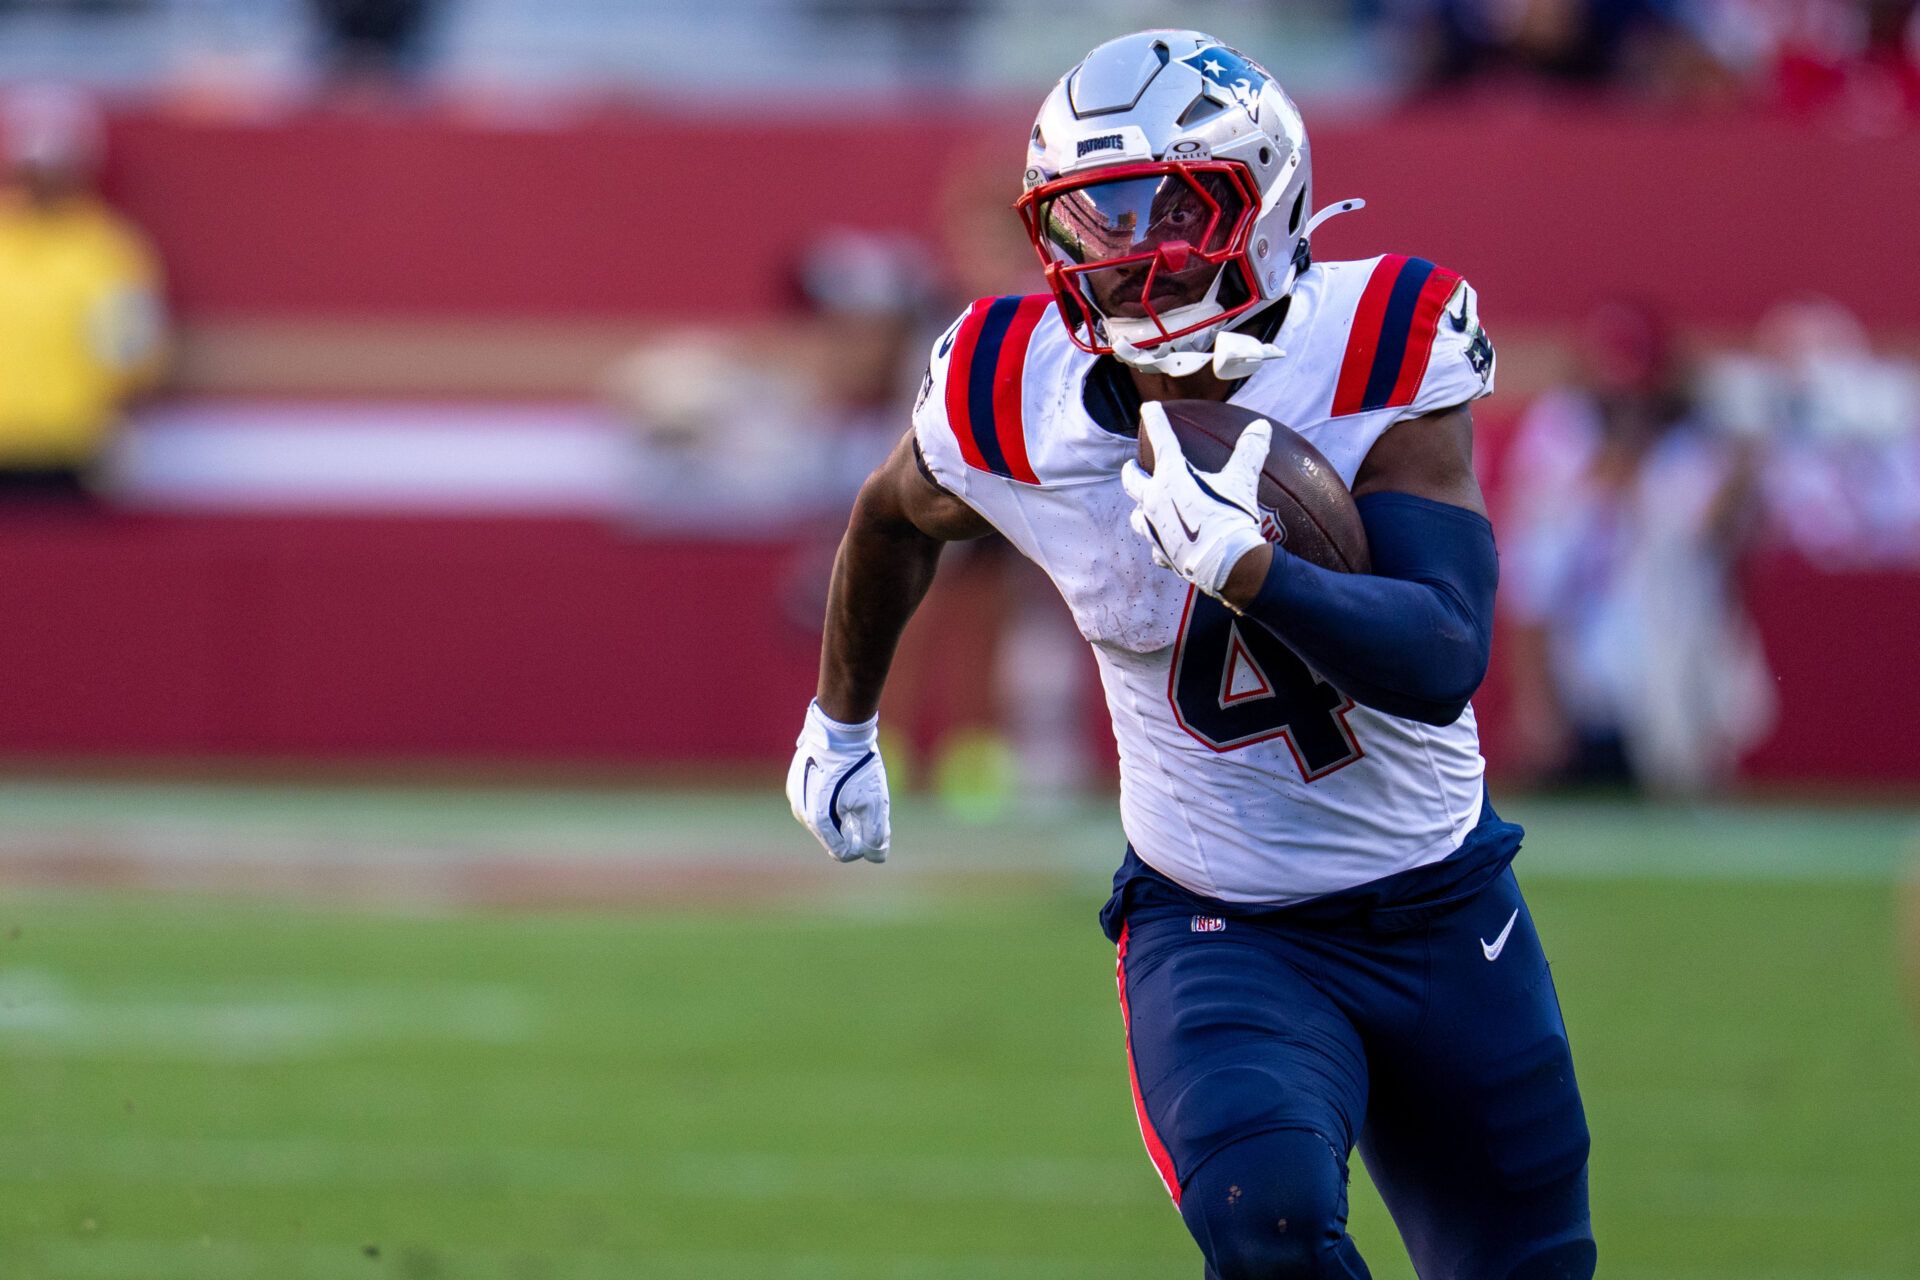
(1208, 924)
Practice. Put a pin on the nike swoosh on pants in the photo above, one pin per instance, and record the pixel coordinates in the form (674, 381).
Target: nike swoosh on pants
(1499, 944)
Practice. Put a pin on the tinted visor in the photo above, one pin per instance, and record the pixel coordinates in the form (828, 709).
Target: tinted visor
(1133, 216)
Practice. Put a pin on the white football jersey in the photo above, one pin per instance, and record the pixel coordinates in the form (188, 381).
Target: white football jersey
(1243, 776)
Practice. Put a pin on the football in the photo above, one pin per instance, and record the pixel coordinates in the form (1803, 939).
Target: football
(1304, 505)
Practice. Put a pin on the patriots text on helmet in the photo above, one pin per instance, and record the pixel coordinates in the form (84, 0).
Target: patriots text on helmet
(1105, 142)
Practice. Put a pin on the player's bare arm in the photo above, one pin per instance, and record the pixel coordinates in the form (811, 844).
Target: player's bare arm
(837, 784)
(885, 564)
(1430, 457)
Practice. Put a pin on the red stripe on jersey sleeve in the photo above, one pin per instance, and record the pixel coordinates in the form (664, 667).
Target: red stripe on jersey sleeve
(959, 363)
(1363, 339)
(1426, 322)
(1008, 378)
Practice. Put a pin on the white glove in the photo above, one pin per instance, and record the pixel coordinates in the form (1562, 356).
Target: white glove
(837, 786)
(1199, 523)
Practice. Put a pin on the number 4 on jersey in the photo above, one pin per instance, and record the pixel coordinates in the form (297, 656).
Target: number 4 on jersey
(1234, 684)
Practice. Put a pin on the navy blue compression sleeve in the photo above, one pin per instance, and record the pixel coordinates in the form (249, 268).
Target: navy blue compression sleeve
(1413, 637)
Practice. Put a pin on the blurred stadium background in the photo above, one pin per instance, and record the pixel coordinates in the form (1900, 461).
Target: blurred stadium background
(424, 428)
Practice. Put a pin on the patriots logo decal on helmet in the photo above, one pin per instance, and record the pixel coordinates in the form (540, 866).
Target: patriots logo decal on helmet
(1237, 79)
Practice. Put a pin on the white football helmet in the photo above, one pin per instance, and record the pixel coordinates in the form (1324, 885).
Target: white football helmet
(1167, 192)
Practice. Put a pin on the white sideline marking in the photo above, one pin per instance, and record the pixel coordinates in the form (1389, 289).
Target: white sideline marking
(251, 1022)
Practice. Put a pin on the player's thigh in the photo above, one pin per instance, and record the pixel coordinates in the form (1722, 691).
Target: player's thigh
(1475, 1133)
(1226, 1040)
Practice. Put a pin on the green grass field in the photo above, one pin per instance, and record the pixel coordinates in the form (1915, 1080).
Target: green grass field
(813, 1071)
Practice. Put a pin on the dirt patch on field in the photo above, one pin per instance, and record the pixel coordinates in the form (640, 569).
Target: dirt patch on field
(492, 881)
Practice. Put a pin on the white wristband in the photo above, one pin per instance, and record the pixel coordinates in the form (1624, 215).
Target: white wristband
(839, 734)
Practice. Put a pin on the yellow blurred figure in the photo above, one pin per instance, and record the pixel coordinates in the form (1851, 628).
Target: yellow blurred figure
(82, 328)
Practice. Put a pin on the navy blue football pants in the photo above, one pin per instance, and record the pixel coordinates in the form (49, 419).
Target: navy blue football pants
(1263, 1052)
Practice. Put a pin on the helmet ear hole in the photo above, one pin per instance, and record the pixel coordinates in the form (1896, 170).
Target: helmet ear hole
(1266, 156)
(1299, 208)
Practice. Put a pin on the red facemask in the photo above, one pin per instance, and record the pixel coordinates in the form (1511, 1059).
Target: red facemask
(1137, 241)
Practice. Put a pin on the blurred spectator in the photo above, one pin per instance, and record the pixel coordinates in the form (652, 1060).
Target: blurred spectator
(82, 328)
(742, 430)
(1840, 427)
(720, 442)
(1583, 43)
(371, 41)
(1632, 657)
(1858, 60)
(866, 312)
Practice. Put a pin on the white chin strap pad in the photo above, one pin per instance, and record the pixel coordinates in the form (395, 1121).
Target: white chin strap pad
(1175, 364)
(1234, 356)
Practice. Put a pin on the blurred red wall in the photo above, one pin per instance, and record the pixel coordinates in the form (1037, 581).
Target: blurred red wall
(642, 214)
(281, 638)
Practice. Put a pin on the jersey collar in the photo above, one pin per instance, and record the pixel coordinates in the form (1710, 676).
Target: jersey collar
(1108, 392)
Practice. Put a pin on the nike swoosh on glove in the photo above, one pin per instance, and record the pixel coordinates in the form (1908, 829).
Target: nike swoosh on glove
(837, 786)
(1199, 522)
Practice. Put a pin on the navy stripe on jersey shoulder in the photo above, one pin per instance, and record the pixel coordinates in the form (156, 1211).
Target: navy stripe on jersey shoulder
(986, 359)
(1396, 325)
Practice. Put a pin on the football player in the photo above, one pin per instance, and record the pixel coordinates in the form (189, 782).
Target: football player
(1321, 943)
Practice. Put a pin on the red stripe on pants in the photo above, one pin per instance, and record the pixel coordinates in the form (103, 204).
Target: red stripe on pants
(1156, 1150)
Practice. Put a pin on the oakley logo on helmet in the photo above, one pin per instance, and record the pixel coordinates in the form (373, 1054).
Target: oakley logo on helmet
(1239, 81)
(1105, 142)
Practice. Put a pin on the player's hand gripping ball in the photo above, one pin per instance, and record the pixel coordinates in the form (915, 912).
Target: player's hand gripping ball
(837, 785)
(1303, 505)
(1199, 522)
